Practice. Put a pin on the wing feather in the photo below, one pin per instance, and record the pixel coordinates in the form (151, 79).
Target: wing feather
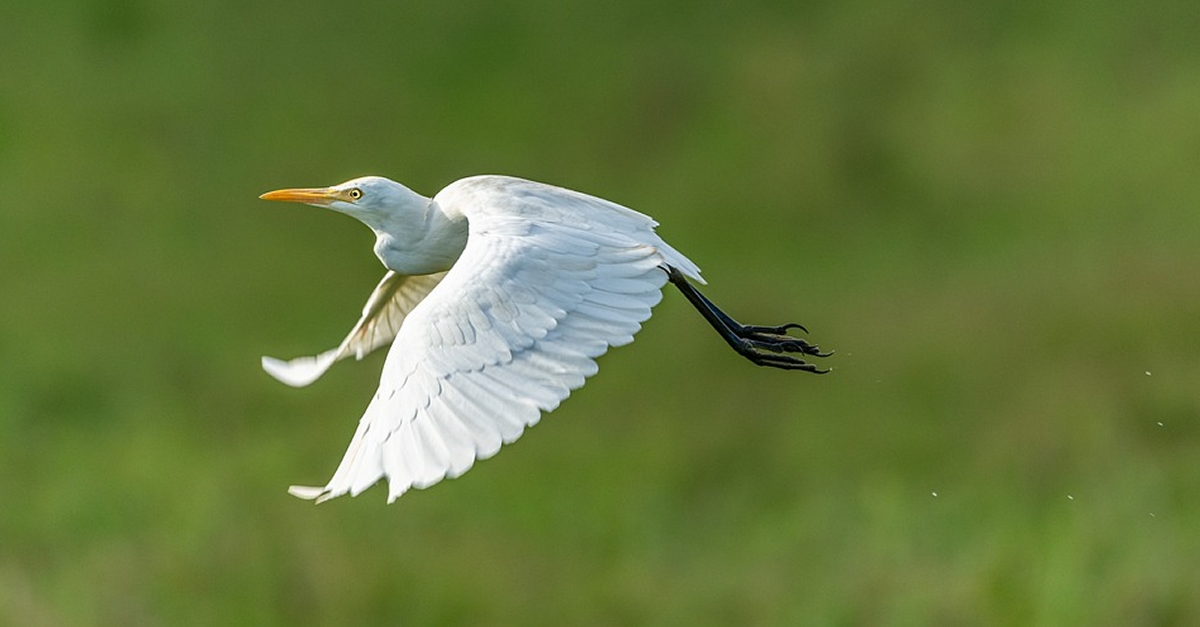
(549, 280)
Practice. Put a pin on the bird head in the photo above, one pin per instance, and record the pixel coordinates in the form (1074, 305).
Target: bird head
(372, 199)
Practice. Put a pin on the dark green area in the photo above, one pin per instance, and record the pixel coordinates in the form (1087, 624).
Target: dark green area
(989, 210)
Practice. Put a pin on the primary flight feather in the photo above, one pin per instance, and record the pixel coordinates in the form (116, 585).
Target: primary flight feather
(499, 296)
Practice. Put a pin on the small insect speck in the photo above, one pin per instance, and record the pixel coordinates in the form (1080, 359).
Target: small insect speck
(1160, 423)
(1152, 514)
(934, 494)
(1147, 373)
(1070, 498)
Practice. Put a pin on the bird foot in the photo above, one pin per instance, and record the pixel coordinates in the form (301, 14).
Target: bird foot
(769, 346)
(762, 345)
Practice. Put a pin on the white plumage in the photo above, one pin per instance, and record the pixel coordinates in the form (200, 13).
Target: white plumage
(543, 280)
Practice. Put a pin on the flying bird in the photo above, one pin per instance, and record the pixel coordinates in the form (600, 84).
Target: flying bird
(500, 293)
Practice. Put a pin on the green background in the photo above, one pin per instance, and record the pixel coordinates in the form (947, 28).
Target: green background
(989, 209)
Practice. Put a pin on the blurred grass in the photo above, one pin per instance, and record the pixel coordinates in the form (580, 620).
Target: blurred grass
(988, 209)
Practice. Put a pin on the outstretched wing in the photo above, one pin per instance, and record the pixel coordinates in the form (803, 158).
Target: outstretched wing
(548, 281)
(389, 304)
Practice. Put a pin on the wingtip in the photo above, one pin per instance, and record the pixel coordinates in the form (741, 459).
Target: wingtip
(290, 372)
(308, 493)
(274, 367)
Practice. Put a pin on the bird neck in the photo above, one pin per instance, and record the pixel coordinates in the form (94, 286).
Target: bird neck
(420, 242)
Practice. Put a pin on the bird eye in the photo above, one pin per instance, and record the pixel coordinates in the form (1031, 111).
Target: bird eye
(354, 193)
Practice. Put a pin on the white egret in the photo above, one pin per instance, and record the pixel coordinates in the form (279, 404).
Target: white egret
(499, 296)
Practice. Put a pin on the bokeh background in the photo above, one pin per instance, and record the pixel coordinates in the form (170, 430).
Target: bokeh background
(989, 209)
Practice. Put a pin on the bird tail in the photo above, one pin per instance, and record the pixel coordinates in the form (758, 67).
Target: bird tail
(675, 259)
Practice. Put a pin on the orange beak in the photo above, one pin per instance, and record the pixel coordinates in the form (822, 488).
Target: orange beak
(319, 196)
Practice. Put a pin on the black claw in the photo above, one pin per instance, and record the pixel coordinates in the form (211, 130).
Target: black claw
(783, 362)
(779, 330)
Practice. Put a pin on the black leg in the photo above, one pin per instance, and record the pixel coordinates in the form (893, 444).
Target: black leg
(762, 345)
